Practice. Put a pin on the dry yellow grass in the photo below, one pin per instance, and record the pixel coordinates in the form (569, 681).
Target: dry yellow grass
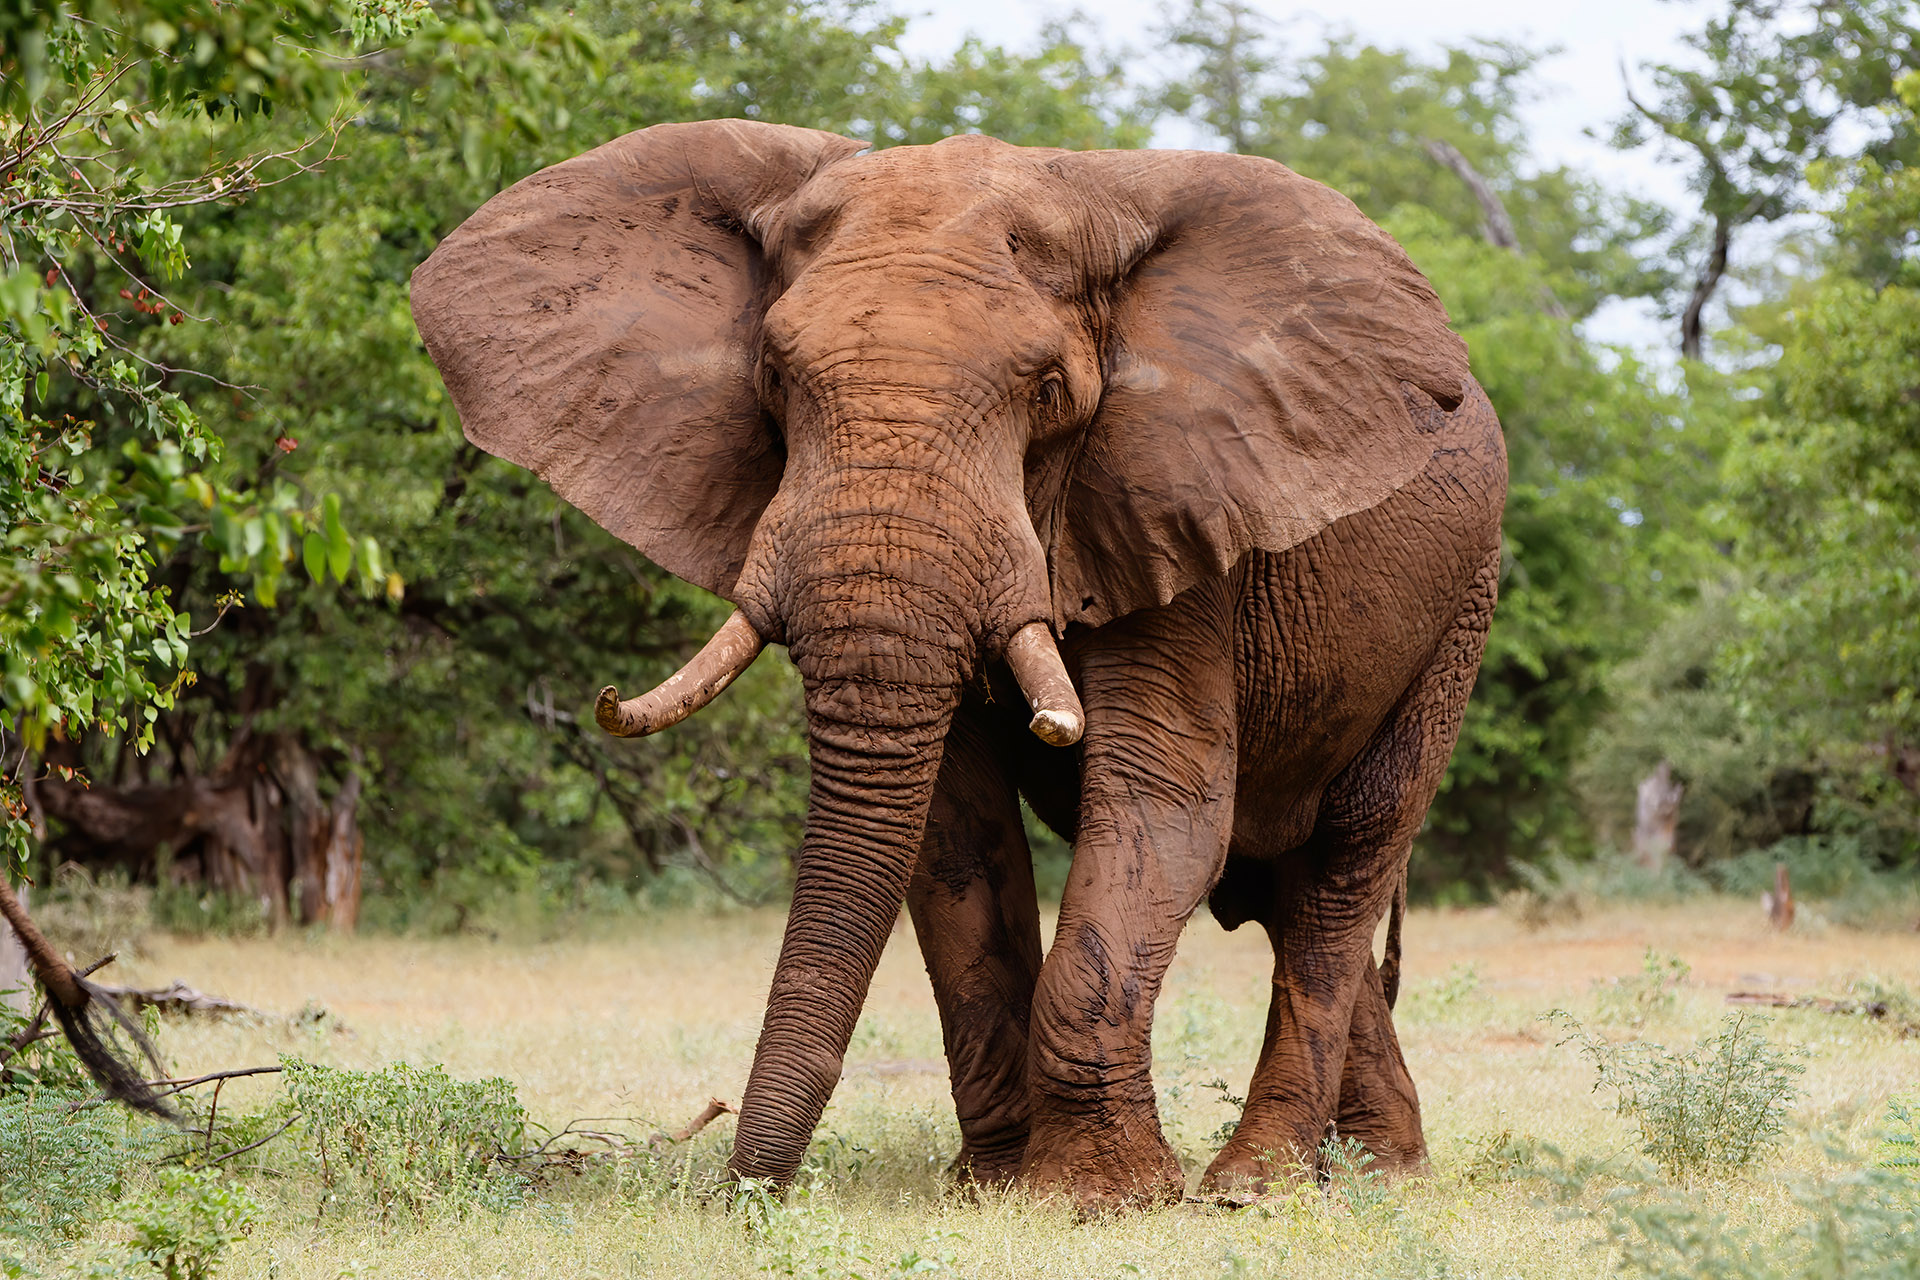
(647, 1019)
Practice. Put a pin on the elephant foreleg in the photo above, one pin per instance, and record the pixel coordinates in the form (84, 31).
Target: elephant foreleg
(1155, 815)
(974, 909)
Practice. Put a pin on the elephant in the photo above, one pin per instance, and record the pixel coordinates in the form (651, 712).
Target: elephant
(1151, 486)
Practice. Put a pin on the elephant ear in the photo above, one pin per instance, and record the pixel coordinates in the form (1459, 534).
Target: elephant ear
(594, 323)
(1261, 347)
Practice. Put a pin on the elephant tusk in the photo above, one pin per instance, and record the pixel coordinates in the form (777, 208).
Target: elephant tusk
(731, 651)
(1057, 718)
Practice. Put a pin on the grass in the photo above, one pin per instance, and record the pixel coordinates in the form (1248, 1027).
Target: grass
(646, 1019)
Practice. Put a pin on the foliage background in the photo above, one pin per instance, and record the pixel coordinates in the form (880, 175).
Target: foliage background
(1709, 562)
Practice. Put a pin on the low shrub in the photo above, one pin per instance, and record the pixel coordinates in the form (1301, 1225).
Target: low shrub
(1462, 983)
(1861, 1225)
(193, 910)
(1821, 867)
(59, 1161)
(1716, 1108)
(1653, 992)
(411, 1138)
(184, 1223)
(1560, 889)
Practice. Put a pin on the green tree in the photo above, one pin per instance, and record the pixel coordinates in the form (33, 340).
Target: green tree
(1789, 708)
(1063, 95)
(1780, 85)
(1233, 61)
(105, 468)
(1829, 484)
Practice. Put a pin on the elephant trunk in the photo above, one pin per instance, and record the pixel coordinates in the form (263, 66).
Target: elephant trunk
(883, 650)
(866, 812)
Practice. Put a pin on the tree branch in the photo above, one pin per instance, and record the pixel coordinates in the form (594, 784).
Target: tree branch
(1495, 224)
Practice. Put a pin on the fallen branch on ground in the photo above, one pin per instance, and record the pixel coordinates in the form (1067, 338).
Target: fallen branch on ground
(714, 1109)
(1875, 1010)
(615, 1145)
(178, 997)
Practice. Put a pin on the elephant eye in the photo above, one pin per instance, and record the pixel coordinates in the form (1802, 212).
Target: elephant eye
(1049, 391)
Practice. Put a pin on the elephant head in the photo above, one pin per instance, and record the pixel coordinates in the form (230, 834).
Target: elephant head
(916, 410)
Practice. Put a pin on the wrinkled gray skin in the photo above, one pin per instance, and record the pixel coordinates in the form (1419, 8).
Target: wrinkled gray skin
(1191, 412)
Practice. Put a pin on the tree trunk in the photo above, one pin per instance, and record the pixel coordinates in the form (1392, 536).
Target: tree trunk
(1779, 902)
(1691, 323)
(1495, 223)
(1656, 815)
(256, 827)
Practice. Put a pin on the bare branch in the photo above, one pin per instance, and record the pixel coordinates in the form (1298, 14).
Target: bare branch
(1495, 224)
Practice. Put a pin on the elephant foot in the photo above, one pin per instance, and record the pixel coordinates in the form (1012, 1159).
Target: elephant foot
(1396, 1150)
(988, 1165)
(1252, 1168)
(1099, 1171)
(1248, 1168)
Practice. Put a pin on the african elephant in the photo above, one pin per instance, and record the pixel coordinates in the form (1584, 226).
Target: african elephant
(1168, 457)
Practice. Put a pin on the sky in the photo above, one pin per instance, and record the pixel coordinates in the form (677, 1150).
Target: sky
(1579, 87)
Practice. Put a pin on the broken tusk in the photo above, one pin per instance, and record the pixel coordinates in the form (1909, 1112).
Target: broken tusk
(1057, 717)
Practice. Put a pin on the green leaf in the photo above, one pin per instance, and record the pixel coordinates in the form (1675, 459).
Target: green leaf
(339, 553)
(313, 553)
(372, 572)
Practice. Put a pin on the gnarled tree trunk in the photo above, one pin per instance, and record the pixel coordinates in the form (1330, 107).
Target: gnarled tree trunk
(256, 827)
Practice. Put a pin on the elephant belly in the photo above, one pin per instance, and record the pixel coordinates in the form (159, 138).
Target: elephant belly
(1333, 632)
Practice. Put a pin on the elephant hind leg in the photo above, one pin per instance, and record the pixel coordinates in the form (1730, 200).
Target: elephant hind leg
(1330, 1049)
(1379, 1107)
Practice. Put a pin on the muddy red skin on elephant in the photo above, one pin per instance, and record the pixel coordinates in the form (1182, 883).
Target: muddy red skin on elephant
(919, 412)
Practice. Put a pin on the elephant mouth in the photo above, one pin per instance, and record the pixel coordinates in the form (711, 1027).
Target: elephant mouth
(1058, 719)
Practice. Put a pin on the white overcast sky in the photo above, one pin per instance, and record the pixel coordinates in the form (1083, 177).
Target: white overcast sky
(1579, 87)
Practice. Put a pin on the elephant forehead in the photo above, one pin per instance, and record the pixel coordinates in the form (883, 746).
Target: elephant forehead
(957, 187)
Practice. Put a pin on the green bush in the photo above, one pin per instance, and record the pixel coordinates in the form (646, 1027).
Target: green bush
(57, 1163)
(1821, 866)
(1862, 1225)
(1651, 993)
(1716, 1108)
(411, 1138)
(1743, 789)
(184, 1223)
(1559, 888)
(193, 910)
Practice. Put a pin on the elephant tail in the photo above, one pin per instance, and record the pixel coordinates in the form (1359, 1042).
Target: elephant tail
(1390, 962)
